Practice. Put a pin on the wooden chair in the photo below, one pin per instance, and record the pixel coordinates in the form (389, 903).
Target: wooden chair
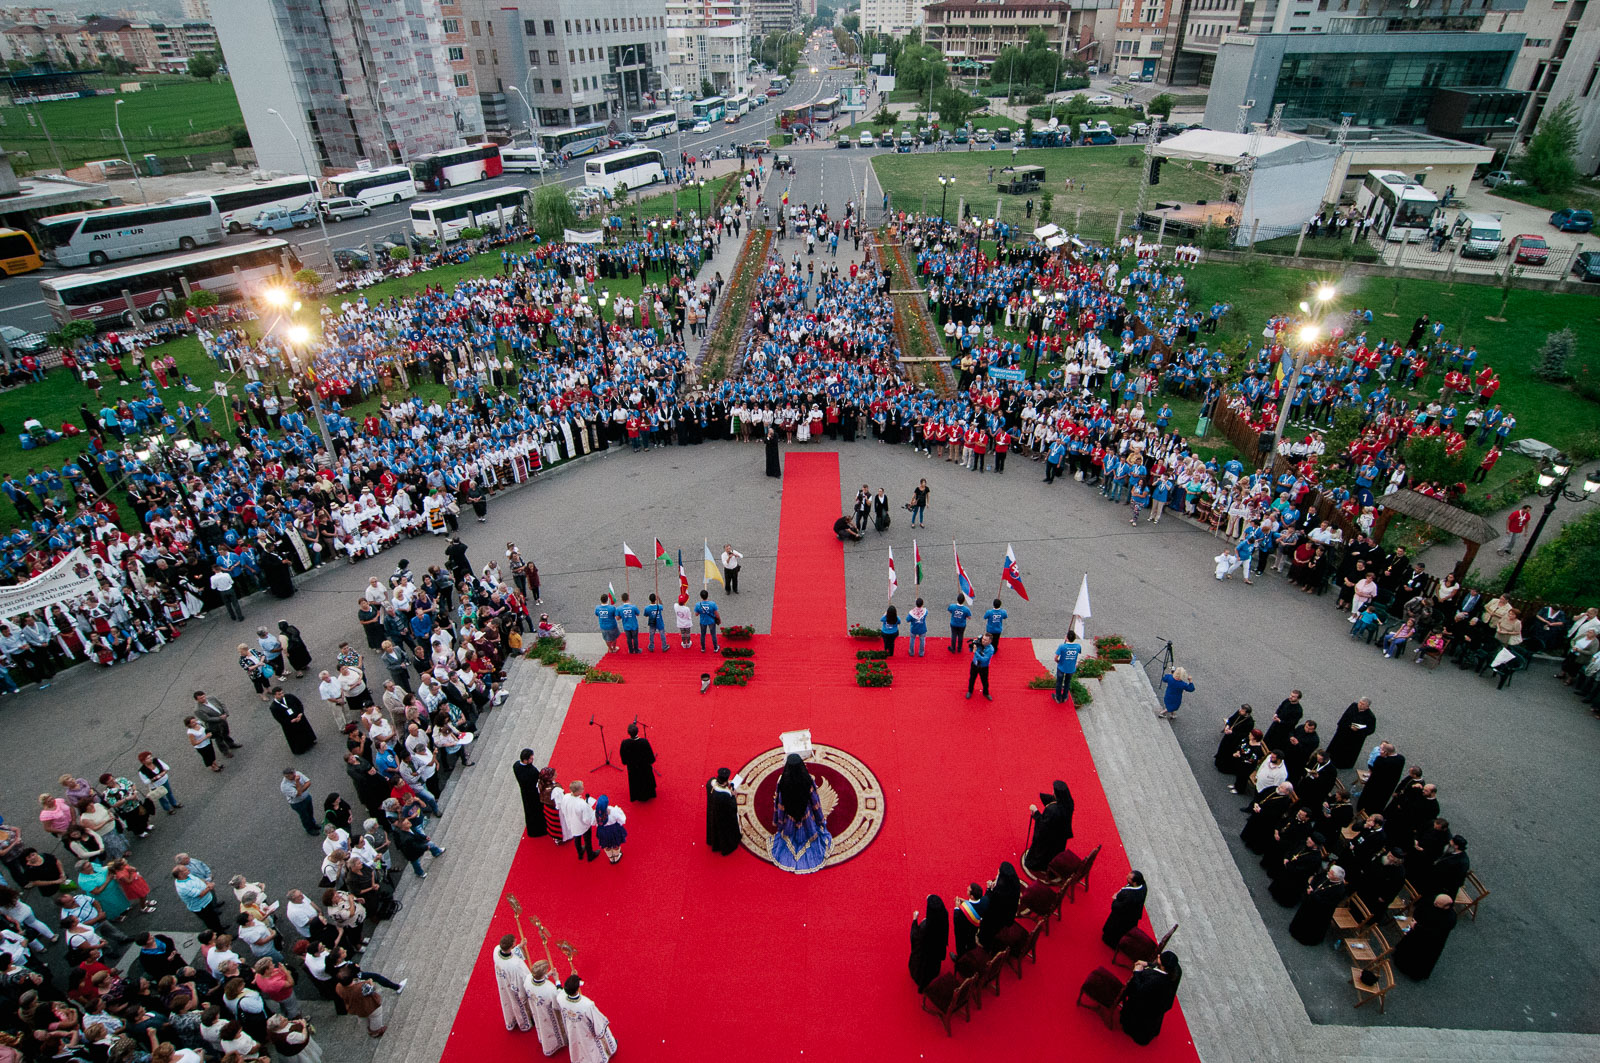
(1352, 917)
(1077, 875)
(989, 976)
(1378, 990)
(1368, 948)
(1470, 895)
(1105, 992)
(948, 994)
(1136, 945)
(1039, 903)
(1028, 947)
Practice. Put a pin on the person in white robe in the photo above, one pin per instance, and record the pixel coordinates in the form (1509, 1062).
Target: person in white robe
(548, 1021)
(515, 982)
(589, 1037)
(576, 810)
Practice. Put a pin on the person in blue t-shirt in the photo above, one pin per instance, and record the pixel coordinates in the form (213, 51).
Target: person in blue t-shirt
(653, 619)
(960, 612)
(606, 613)
(706, 610)
(994, 622)
(628, 614)
(889, 627)
(1067, 655)
(982, 654)
(917, 617)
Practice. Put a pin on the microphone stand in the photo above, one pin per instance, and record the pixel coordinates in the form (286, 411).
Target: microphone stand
(603, 747)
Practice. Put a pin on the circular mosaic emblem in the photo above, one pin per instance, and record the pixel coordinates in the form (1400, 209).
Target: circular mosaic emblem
(852, 802)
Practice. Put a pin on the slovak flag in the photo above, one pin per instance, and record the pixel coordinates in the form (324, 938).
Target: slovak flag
(961, 575)
(630, 559)
(894, 581)
(1013, 575)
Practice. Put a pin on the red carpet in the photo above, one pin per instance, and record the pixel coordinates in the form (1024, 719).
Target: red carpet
(689, 952)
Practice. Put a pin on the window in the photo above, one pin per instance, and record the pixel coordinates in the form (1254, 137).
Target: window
(452, 25)
(494, 56)
(457, 54)
(568, 24)
(555, 84)
(491, 29)
(552, 57)
(549, 27)
(572, 57)
(475, 32)
(538, 85)
(479, 56)
(530, 27)
(533, 57)
(463, 81)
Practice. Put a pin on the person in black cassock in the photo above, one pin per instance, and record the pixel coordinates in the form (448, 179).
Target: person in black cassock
(1000, 913)
(1344, 748)
(1310, 923)
(1052, 828)
(639, 759)
(1284, 721)
(1381, 782)
(774, 465)
(1127, 907)
(277, 573)
(929, 938)
(1151, 992)
(722, 814)
(527, 773)
(1235, 732)
(290, 712)
(1418, 952)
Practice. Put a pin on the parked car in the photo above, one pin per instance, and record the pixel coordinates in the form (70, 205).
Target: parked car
(1138, 129)
(1102, 100)
(1002, 135)
(278, 219)
(1530, 250)
(339, 209)
(350, 259)
(624, 138)
(961, 136)
(982, 136)
(23, 341)
(758, 145)
(1502, 177)
(867, 140)
(904, 143)
(886, 139)
(401, 239)
(844, 142)
(1572, 220)
(1100, 136)
(701, 126)
(1586, 266)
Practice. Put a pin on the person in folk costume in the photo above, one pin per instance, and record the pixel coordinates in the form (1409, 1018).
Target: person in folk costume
(515, 983)
(548, 1020)
(589, 1037)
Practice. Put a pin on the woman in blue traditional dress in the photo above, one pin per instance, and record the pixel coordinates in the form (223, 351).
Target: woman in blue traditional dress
(800, 840)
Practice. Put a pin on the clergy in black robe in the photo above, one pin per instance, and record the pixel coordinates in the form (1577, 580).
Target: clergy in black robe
(1381, 883)
(277, 574)
(1265, 817)
(290, 712)
(639, 759)
(1127, 907)
(1151, 992)
(1428, 847)
(929, 939)
(1235, 732)
(1294, 877)
(1303, 741)
(1449, 872)
(1000, 907)
(1316, 782)
(527, 773)
(1381, 782)
(722, 814)
(774, 464)
(1344, 748)
(1287, 840)
(1284, 721)
(1052, 829)
(1418, 952)
(1310, 923)
(1412, 811)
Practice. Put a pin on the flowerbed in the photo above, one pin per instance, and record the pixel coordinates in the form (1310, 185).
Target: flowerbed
(738, 632)
(874, 673)
(734, 673)
(1113, 648)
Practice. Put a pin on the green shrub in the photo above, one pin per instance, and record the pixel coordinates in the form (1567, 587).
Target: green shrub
(873, 674)
(472, 232)
(309, 277)
(861, 631)
(1094, 667)
(400, 254)
(872, 655)
(595, 675)
(569, 665)
(734, 673)
(202, 300)
(738, 651)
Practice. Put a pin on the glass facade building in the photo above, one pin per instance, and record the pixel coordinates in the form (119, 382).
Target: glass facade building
(1380, 89)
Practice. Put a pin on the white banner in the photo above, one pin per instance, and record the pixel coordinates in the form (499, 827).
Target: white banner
(61, 583)
(574, 236)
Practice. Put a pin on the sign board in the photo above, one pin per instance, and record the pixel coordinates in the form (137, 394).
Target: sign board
(574, 236)
(853, 98)
(1007, 373)
(885, 82)
(796, 742)
(879, 58)
(220, 387)
(67, 579)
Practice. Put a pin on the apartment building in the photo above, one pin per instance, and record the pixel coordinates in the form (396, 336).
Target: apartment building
(777, 16)
(981, 29)
(1559, 60)
(890, 18)
(708, 42)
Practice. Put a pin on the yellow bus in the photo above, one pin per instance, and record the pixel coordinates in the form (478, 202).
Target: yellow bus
(18, 253)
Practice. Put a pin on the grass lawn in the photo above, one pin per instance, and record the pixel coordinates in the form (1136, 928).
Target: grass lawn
(167, 117)
(1329, 247)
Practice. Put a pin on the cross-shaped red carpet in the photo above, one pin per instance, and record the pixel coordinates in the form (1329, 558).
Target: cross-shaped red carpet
(691, 953)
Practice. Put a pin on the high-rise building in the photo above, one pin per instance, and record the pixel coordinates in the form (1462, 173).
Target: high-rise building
(890, 18)
(708, 42)
(572, 61)
(776, 16)
(1559, 60)
(1145, 37)
(197, 10)
(375, 80)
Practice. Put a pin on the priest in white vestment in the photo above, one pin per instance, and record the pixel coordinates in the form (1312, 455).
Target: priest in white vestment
(547, 1018)
(589, 1038)
(515, 982)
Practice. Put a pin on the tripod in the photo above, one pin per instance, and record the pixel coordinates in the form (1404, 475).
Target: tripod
(1165, 658)
(603, 747)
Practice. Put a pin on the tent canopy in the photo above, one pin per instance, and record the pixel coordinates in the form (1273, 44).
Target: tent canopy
(1453, 519)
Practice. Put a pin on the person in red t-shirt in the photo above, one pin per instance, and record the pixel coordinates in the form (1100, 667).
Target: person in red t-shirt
(1516, 524)
(980, 448)
(1486, 465)
(1002, 444)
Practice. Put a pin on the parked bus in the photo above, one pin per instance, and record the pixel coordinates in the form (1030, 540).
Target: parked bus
(240, 205)
(635, 168)
(388, 184)
(95, 237)
(825, 110)
(98, 297)
(739, 104)
(652, 125)
(794, 116)
(780, 84)
(457, 166)
(710, 109)
(1400, 208)
(18, 253)
(444, 219)
(577, 141)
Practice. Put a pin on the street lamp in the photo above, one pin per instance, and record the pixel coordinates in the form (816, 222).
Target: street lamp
(116, 119)
(299, 336)
(533, 121)
(945, 181)
(1308, 336)
(1552, 483)
(327, 244)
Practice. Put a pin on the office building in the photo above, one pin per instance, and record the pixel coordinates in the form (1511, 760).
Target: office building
(979, 29)
(708, 42)
(375, 80)
(777, 16)
(1144, 33)
(197, 10)
(573, 63)
(1559, 60)
(890, 18)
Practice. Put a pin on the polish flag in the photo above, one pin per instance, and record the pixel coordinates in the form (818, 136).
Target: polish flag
(630, 559)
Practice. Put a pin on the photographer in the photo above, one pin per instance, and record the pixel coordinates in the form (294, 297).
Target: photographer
(982, 653)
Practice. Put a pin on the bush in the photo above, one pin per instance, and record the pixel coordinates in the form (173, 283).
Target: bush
(1113, 648)
(1162, 104)
(239, 136)
(731, 652)
(734, 673)
(309, 277)
(472, 232)
(71, 333)
(738, 632)
(548, 650)
(569, 665)
(873, 674)
(595, 675)
(872, 655)
(1080, 693)
(860, 631)
(202, 300)
(400, 254)
(1426, 460)
(1094, 667)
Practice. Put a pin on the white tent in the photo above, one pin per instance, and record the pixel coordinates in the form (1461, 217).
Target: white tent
(1292, 175)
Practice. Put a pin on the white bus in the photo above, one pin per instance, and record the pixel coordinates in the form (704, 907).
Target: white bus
(522, 160)
(456, 166)
(739, 104)
(635, 168)
(95, 237)
(388, 184)
(576, 140)
(445, 218)
(652, 125)
(240, 204)
(99, 297)
(1400, 208)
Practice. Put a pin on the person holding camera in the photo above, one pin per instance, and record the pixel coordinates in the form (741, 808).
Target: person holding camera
(919, 504)
(982, 653)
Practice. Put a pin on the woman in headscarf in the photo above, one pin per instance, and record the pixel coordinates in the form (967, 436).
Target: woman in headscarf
(929, 938)
(1052, 829)
(299, 656)
(609, 832)
(1151, 992)
(722, 814)
(800, 838)
(1001, 911)
(552, 817)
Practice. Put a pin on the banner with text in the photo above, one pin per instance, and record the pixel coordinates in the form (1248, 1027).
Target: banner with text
(574, 236)
(69, 578)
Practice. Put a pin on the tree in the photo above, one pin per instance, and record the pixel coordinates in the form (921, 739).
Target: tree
(1027, 132)
(308, 277)
(707, 89)
(851, 23)
(919, 65)
(1548, 162)
(400, 253)
(1047, 200)
(955, 106)
(884, 117)
(552, 212)
(1161, 104)
(1554, 355)
(203, 65)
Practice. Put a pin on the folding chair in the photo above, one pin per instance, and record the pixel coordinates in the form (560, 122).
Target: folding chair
(1378, 990)
(1105, 991)
(948, 994)
(1136, 945)
(1470, 895)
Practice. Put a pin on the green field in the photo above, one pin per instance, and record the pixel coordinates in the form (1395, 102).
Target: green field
(167, 117)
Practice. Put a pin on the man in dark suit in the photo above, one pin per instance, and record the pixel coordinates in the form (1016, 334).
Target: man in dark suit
(527, 773)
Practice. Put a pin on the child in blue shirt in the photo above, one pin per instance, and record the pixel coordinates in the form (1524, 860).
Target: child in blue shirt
(606, 613)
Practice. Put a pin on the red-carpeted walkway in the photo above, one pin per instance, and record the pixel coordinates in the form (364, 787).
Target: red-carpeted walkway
(691, 953)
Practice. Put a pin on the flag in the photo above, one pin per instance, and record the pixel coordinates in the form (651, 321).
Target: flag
(662, 556)
(683, 579)
(612, 587)
(786, 197)
(894, 581)
(630, 559)
(916, 562)
(961, 575)
(1013, 575)
(711, 567)
(1080, 612)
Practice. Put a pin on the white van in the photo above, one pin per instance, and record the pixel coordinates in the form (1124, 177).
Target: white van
(522, 160)
(1480, 234)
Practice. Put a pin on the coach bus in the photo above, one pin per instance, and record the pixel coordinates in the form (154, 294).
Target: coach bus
(739, 104)
(240, 204)
(456, 166)
(95, 237)
(99, 297)
(780, 84)
(577, 141)
(388, 184)
(635, 168)
(710, 109)
(652, 125)
(18, 253)
(1400, 208)
(825, 110)
(496, 208)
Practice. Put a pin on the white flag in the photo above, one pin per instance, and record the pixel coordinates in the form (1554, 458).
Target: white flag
(1080, 611)
(894, 581)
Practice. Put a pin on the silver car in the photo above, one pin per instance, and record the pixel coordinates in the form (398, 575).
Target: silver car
(340, 209)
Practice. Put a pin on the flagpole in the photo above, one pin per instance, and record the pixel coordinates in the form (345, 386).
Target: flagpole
(655, 574)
